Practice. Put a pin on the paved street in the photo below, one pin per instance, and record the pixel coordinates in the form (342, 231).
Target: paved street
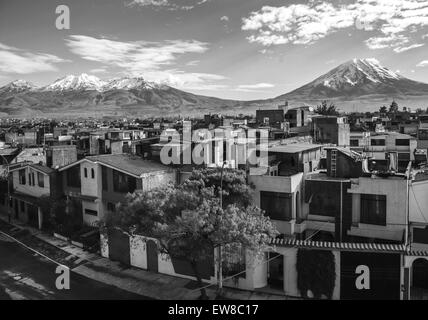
(25, 275)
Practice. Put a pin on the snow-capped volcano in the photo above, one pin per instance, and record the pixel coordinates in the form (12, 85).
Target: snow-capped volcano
(358, 77)
(76, 83)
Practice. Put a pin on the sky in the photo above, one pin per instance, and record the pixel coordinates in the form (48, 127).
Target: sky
(236, 49)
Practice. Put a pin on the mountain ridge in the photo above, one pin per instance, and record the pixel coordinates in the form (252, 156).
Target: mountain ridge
(362, 82)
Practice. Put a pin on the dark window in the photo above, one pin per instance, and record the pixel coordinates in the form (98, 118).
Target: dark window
(104, 178)
(91, 212)
(92, 173)
(354, 143)
(22, 206)
(73, 177)
(402, 142)
(404, 156)
(123, 183)
(41, 180)
(377, 142)
(373, 209)
(22, 176)
(85, 172)
(423, 134)
(276, 205)
(420, 235)
(111, 207)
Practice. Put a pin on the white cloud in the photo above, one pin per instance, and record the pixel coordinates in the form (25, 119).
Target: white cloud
(423, 64)
(193, 63)
(135, 56)
(167, 4)
(98, 70)
(413, 46)
(14, 60)
(307, 23)
(256, 86)
(224, 18)
(153, 60)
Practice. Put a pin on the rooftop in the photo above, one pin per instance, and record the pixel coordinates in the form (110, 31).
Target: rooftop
(129, 164)
(294, 148)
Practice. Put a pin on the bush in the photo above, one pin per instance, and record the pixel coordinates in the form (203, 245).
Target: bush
(316, 271)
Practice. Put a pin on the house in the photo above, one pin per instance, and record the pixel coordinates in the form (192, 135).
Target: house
(99, 183)
(31, 182)
(331, 130)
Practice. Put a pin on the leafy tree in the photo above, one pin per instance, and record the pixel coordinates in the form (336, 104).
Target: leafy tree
(189, 222)
(383, 110)
(393, 108)
(327, 110)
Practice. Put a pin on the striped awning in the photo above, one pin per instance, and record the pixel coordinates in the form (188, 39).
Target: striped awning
(341, 246)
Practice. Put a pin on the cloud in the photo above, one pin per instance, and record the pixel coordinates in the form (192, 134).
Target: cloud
(413, 46)
(14, 60)
(154, 60)
(167, 4)
(98, 70)
(422, 64)
(308, 23)
(135, 56)
(224, 18)
(189, 81)
(193, 63)
(256, 86)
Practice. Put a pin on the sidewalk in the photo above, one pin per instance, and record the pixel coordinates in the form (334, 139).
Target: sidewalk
(138, 281)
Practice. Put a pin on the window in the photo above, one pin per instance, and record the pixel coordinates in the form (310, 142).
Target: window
(123, 183)
(276, 205)
(73, 177)
(85, 172)
(420, 235)
(40, 180)
(21, 174)
(22, 206)
(402, 142)
(354, 143)
(373, 209)
(92, 173)
(91, 212)
(104, 178)
(377, 142)
(111, 207)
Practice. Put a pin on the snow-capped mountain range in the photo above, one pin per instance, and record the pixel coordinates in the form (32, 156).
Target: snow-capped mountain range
(83, 82)
(361, 83)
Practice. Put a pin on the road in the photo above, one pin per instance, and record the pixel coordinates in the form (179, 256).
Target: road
(26, 275)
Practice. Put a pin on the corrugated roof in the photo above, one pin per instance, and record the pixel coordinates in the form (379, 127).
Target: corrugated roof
(341, 246)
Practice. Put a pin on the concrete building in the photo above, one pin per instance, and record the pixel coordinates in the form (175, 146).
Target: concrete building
(331, 130)
(99, 183)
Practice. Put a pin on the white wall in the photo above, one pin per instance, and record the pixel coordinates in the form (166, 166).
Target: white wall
(35, 190)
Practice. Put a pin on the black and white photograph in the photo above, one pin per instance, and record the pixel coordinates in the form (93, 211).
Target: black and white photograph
(211, 157)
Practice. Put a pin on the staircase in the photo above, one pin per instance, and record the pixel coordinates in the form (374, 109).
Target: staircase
(333, 162)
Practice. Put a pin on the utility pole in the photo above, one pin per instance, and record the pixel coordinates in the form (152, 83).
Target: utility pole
(219, 250)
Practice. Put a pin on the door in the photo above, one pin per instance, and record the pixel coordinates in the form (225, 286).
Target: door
(118, 245)
(152, 256)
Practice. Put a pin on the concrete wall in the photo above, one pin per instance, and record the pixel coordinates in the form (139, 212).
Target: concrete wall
(35, 190)
(396, 202)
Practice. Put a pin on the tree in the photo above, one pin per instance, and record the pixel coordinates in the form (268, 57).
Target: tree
(393, 108)
(383, 110)
(327, 110)
(189, 223)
